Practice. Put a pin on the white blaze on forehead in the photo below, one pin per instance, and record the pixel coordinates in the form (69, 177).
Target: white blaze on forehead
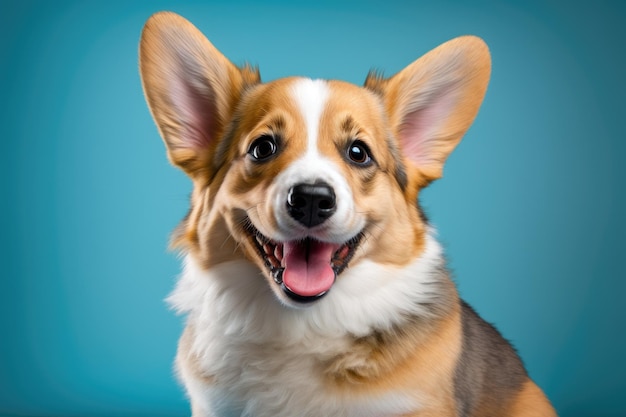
(311, 96)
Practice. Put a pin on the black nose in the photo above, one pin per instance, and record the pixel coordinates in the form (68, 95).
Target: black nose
(311, 204)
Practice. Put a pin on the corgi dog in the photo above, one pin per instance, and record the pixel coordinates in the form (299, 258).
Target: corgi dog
(313, 283)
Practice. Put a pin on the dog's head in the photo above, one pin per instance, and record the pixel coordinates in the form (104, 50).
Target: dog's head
(305, 177)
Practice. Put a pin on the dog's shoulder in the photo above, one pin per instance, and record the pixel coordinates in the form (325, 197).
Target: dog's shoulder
(489, 369)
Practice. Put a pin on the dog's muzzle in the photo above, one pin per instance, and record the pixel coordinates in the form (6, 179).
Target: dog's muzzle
(306, 266)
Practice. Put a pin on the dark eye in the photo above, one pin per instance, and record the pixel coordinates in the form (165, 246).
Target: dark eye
(262, 148)
(359, 153)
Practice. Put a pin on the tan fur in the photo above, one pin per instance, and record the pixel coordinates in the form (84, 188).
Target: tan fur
(403, 360)
(530, 402)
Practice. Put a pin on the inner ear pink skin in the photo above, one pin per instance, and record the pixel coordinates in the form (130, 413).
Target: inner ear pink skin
(197, 111)
(419, 131)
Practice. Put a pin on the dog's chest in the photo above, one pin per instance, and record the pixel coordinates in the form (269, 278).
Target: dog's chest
(265, 360)
(267, 380)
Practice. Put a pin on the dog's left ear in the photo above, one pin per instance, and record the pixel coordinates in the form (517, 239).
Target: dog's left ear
(191, 88)
(432, 102)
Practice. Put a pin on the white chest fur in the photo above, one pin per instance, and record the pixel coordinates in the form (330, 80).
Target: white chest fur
(266, 357)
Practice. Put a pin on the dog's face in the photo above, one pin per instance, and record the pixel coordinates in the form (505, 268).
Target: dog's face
(305, 177)
(311, 182)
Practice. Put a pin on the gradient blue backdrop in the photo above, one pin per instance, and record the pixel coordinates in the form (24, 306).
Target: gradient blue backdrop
(531, 208)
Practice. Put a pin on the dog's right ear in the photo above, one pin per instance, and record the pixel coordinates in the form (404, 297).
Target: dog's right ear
(191, 89)
(433, 101)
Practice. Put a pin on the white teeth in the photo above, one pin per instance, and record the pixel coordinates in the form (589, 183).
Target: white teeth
(343, 252)
(267, 248)
(275, 263)
(278, 252)
(259, 240)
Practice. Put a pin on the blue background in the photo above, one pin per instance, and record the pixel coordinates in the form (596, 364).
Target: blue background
(531, 208)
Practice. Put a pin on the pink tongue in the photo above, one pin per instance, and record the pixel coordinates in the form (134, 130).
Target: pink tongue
(307, 267)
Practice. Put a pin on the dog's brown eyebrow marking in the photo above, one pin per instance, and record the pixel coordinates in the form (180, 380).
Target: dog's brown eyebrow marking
(276, 124)
(348, 125)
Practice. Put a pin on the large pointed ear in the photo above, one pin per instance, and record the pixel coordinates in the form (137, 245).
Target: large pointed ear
(432, 102)
(190, 87)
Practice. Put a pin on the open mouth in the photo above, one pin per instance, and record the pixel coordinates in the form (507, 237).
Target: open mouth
(305, 269)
